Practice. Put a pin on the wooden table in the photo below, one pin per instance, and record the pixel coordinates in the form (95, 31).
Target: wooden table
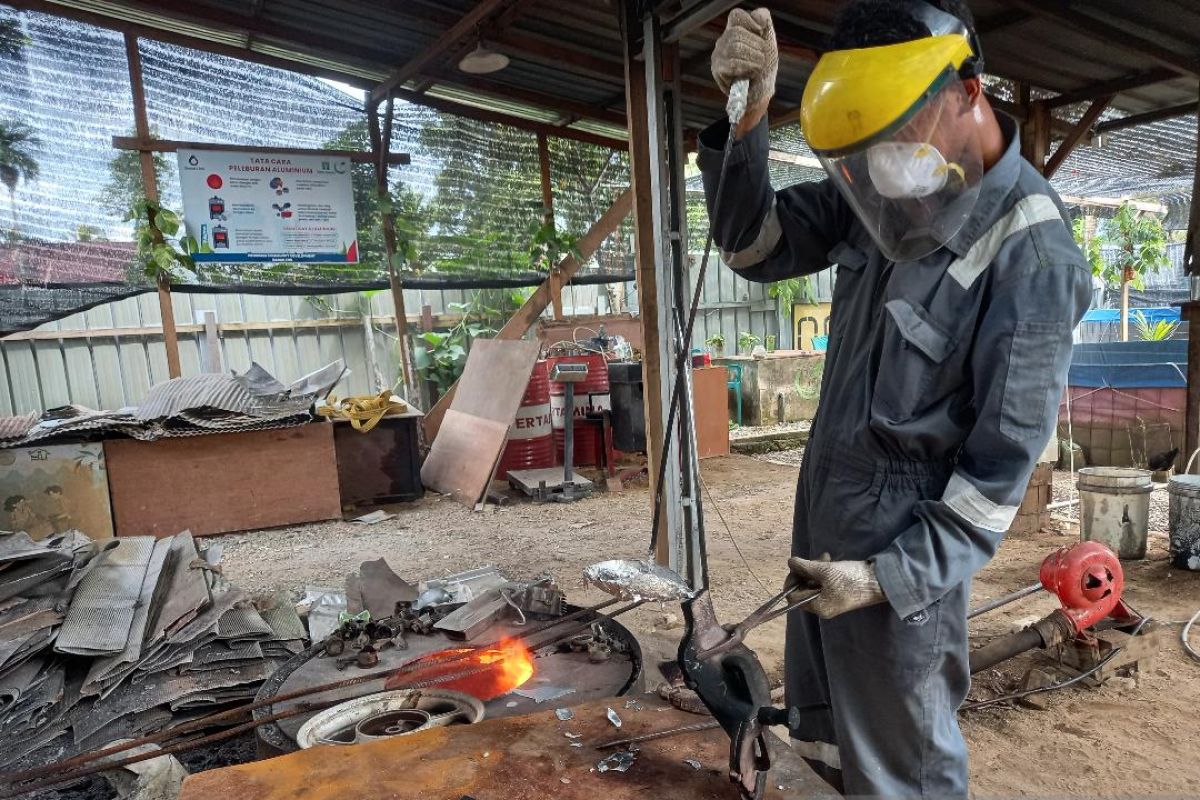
(513, 758)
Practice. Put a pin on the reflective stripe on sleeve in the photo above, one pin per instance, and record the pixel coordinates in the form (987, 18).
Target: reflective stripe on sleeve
(1028, 211)
(768, 237)
(969, 503)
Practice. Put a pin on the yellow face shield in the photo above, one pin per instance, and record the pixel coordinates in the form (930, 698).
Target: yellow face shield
(892, 125)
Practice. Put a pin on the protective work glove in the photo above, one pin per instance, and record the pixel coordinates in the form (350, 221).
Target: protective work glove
(747, 49)
(844, 585)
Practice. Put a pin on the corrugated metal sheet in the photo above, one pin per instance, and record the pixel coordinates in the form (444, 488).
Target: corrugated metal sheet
(1057, 53)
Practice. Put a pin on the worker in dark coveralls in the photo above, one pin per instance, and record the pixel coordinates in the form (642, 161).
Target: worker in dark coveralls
(958, 287)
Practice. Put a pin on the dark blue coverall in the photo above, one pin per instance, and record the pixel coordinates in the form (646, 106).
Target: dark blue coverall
(942, 384)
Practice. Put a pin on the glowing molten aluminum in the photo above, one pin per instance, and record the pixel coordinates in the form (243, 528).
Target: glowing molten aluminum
(482, 673)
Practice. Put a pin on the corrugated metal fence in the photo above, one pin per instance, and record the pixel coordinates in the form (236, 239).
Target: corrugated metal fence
(109, 356)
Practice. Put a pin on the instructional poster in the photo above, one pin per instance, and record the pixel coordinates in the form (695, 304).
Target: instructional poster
(260, 207)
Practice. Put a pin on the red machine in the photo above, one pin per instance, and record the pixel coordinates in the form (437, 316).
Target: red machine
(1087, 579)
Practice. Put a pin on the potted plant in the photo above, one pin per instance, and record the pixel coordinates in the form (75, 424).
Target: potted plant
(716, 344)
(770, 342)
(747, 341)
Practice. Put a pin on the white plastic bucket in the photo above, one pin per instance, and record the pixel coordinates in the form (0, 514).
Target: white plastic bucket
(1114, 508)
(1185, 521)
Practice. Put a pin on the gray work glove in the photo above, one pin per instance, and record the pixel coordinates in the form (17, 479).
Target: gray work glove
(844, 585)
(747, 49)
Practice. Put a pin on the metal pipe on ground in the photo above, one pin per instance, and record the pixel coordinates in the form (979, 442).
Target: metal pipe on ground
(1051, 630)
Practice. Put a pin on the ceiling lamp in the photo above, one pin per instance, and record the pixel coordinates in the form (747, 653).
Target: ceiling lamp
(482, 61)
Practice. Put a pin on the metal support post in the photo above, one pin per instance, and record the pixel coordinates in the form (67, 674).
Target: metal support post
(681, 497)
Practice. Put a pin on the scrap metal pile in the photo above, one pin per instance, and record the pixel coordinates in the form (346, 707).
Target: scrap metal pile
(198, 404)
(108, 640)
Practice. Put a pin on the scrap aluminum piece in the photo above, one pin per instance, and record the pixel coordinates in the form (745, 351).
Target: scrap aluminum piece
(693, 763)
(570, 735)
(564, 714)
(634, 703)
(436, 596)
(620, 761)
(542, 694)
(637, 580)
(613, 718)
(576, 744)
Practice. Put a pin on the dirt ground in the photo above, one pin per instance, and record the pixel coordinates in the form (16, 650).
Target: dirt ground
(1136, 736)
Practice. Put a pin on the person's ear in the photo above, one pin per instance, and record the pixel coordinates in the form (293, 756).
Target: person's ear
(974, 89)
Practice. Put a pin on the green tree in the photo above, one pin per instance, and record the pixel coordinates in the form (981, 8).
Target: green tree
(12, 38)
(125, 187)
(412, 216)
(1139, 244)
(488, 192)
(19, 146)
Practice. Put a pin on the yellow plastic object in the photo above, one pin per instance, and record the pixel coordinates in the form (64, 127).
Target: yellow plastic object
(856, 96)
(364, 411)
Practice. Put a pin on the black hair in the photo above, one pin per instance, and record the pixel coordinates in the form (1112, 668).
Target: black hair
(873, 23)
(12, 502)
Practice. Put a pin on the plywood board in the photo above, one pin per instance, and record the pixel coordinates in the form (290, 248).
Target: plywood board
(495, 377)
(471, 436)
(710, 389)
(464, 456)
(223, 482)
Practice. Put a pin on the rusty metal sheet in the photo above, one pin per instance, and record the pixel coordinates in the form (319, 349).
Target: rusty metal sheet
(514, 758)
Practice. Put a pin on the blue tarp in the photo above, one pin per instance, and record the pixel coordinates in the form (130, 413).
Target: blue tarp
(1114, 314)
(1130, 365)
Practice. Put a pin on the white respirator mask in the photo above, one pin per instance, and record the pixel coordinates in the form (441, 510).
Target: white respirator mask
(908, 169)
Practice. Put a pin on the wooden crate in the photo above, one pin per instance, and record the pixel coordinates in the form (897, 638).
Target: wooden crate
(223, 482)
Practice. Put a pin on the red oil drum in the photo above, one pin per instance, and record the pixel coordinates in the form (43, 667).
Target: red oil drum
(591, 396)
(530, 438)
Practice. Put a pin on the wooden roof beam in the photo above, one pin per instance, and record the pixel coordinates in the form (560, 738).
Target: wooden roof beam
(1124, 83)
(1081, 129)
(1072, 15)
(693, 17)
(1158, 115)
(500, 118)
(449, 38)
(186, 40)
(596, 111)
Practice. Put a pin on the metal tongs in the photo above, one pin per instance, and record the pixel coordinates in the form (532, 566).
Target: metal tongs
(763, 614)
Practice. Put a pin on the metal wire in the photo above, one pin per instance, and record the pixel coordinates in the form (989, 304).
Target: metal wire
(729, 532)
(1186, 633)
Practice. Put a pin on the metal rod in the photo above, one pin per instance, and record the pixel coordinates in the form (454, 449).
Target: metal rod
(649, 737)
(1003, 601)
(569, 434)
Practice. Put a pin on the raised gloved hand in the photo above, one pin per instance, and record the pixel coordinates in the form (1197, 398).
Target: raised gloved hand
(844, 585)
(747, 49)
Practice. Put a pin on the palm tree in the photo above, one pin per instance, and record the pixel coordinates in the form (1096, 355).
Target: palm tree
(18, 163)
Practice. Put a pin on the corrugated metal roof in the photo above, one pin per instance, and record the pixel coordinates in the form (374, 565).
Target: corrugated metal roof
(1039, 44)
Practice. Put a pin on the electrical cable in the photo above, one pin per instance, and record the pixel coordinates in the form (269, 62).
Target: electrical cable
(1055, 686)
(729, 532)
(1186, 633)
(737, 106)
